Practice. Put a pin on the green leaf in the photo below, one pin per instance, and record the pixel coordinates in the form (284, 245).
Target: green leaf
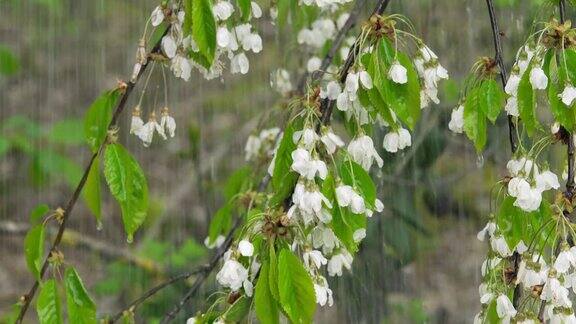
(204, 28)
(9, 63)
(128, 185)
(81, 308)
(565, 115)
(516, 225)
(245, 9)
(221, 222)
(38, 213)
(283, 179)
(296, 289)
(48, 304)
(265, 304)
(273, 273)
(492, 99)
(527, 103)
(98, 118)
(238, 311)
(236, 181)
(34, 249)
(403, 99)
(569, 59)
(474, 119)
(91, 191)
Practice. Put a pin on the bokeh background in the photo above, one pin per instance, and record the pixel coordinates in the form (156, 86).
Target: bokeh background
(420, 262)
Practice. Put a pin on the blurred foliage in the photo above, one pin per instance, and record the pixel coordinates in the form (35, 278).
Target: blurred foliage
(129, 282)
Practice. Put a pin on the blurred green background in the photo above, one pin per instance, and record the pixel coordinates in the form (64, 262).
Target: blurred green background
(420, 262)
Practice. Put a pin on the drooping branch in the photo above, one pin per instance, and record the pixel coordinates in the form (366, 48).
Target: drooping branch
(498, 57)
(497, 36)
(27, 299)
(379, 9)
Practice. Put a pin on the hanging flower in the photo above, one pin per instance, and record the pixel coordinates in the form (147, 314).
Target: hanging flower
(363, 152)
(397, 140)
(504, 308)
(538, 79)
(157, 16)
(398, 73)
(568, 95)
(456, 123)
(306, 166)
(232, 275)
(246, 248)
(167, 122)
(331, 141)
(137, 122)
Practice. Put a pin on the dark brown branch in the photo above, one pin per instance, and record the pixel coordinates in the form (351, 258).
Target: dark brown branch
(327, 105)
(27, 299)
(497, 37)
(153, 291)
(503, 74)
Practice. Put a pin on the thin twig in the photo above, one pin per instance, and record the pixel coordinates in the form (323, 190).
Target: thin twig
(153, 291)
(497, 36)
(75, 238)
(27, 299)
(327, 105)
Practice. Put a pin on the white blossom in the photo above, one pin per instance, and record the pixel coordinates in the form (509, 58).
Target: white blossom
(137, 122)
(538, 79)
(246, 248)
(232, 275)
(331, 141)
(167, 122)
(398, 73)
(223, 10)
(363, 152)
(315, 258)
(512, 107)
(346, 196)
(169, 46)
(511, 87)
(568, 95)
(256, 10)
(313, 64)
(397, 140)
(339, 261)
(456, 123)
(323, 293)
(157, 16)
(504, 308)
(499, 245)
(306, 166)
(239, 63)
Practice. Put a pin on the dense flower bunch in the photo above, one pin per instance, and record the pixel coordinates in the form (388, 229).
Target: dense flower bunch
(184, 48)
(531, 266)
(313, 216)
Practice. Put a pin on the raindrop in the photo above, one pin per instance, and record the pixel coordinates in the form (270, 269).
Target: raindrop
(99, 226)
(130, 239)
(480, 160)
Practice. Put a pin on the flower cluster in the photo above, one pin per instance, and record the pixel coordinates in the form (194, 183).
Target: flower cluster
(263, 145)
(527, 183)
(145, 131)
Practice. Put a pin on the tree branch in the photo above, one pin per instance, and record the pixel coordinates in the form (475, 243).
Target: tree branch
(327, 105)
(380, 7)
(497, 37)
(27, 299)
